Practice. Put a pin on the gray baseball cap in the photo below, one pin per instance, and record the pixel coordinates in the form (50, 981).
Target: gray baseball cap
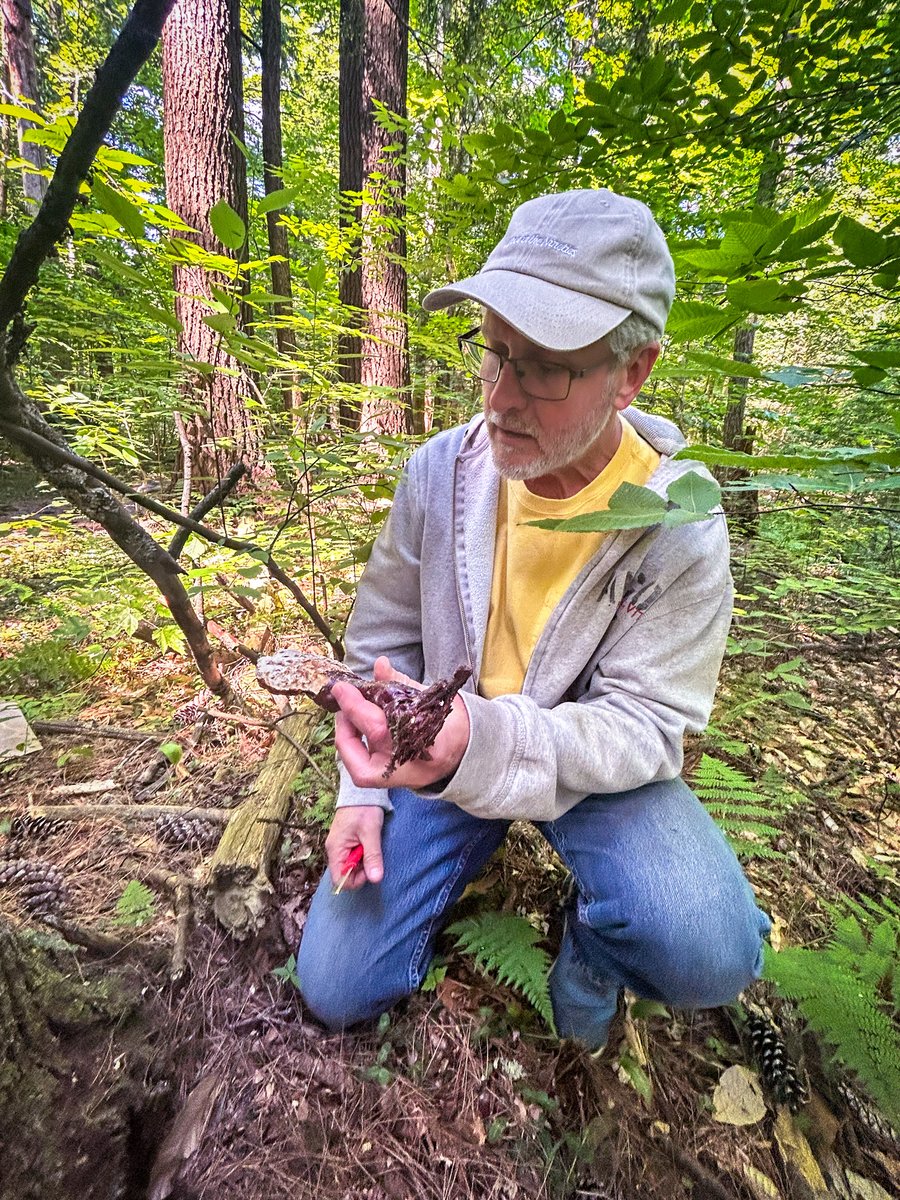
(571, 267)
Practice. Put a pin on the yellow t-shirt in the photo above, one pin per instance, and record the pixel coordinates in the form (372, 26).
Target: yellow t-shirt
(534, 567)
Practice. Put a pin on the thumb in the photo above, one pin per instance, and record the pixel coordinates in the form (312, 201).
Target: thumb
(385, 673)
(373, 862)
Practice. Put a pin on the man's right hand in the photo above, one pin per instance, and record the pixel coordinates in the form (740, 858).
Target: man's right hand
(356, 825)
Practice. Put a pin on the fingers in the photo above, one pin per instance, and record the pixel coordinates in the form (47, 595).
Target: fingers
(385, 673)
(356, 826)
(367, 718)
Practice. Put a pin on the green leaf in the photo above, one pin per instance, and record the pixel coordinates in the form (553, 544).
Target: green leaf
(119, 207)
(695, 493)
(227, 225)
(280, 198)
(691, 319)
(638, 1078)
(136, 906)
(21, 113)
(761, 295)
(171, 751)
(630, 507)
(863, 246)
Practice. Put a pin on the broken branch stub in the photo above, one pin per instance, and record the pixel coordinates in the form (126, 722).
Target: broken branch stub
(415, 715)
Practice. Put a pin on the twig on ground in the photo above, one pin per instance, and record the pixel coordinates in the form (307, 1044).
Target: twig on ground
(688, 1163)
(95, 729)
(128, 813)
(104, 943)
(184, 911)
(87, 787)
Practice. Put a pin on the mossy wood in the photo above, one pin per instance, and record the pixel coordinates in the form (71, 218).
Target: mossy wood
(73, 1062)
(239, 884)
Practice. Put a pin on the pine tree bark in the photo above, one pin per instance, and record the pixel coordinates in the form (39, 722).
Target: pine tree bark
(273, 180)
(203, 114)
(24, 82)
(374, 56)
(385, 360)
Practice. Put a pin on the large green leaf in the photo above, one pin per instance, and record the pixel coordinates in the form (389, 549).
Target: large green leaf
(119, 207)
(863, 246)
(690, 319)
(227, 225)
(695, 493)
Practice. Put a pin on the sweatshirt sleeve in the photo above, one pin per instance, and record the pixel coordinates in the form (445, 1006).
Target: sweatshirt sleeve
(386, 617)
(656, 682)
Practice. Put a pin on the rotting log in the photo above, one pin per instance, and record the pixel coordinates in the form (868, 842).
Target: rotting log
(239, 885)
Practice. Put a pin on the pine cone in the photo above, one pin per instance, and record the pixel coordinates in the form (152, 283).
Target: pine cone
(27, 827)
(777, 1070)
(42, 887)
(188, 833)
(870, 1117)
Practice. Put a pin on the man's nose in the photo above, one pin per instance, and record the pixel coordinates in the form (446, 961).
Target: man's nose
(506, 393)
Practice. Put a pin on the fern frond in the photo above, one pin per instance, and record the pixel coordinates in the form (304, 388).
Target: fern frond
(505, 947)
(746, 812)
(845, 1008)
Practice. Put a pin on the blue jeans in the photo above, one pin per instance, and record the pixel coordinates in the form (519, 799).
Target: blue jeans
(660, 906)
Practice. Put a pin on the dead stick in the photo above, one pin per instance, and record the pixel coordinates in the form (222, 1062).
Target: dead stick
(688, 1163)
(115, 812)
(102, 943)
(234, 719)
(184, 909)
(95, 729)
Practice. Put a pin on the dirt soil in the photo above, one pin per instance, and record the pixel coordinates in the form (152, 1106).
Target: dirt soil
(461, 1092)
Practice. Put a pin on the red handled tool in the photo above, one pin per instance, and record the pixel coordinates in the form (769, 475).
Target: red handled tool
(351, 862)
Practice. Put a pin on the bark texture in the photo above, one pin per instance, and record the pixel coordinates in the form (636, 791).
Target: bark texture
(24, 82)
(374, 55)
(203, 113)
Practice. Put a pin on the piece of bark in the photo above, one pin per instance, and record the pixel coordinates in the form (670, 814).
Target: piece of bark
(415, 715)
(239, 884)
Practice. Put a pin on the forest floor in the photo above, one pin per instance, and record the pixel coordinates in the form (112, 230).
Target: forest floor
(461, 1092)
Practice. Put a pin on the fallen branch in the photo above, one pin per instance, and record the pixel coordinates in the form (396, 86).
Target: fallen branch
(19, 434)
(87, 787)
(128, 813)
(239, 883)
(93, 729)
(104, 943)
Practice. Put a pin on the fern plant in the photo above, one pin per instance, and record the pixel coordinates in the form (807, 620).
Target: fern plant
(505, 946)
(849, 993)
(747, 813)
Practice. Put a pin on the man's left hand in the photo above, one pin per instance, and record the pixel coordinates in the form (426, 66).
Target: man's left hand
(366, 761)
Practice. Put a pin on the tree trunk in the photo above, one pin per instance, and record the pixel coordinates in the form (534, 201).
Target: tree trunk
(385, 361)
(70, 1081)
(743, 507)
(272, 181)
(352, 116)
(373, 54)
(203, 114)
(18, 45)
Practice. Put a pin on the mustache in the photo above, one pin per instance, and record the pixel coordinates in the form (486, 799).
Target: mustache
(511, 424)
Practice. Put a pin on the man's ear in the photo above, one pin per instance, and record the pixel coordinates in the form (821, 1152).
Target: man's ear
(635, 374)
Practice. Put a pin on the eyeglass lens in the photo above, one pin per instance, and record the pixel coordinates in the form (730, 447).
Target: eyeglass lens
(544, 381)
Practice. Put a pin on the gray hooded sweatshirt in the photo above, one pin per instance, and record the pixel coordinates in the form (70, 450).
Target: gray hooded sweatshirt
(626, 663)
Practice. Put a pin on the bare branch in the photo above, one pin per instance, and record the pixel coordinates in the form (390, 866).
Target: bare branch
(209, 502)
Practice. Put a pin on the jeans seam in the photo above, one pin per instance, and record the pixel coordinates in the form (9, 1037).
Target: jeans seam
(416, 974)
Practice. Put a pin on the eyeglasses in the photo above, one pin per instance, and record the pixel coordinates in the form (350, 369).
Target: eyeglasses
(538, 379)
